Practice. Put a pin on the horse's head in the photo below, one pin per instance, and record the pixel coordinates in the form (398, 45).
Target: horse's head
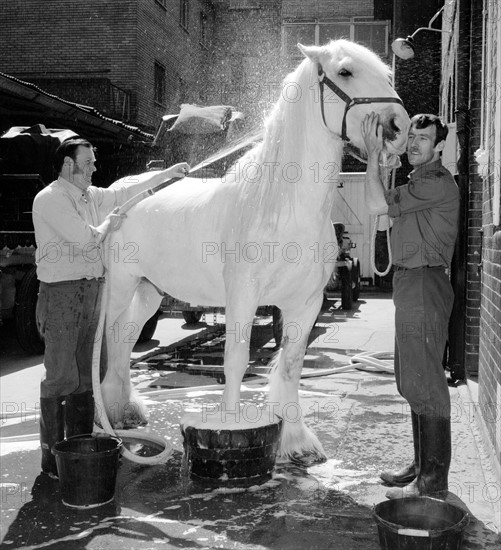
(354, 82)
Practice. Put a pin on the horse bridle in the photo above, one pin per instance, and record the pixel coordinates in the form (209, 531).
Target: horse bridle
(350, 102)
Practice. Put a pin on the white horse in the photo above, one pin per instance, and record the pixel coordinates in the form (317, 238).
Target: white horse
(261, 235)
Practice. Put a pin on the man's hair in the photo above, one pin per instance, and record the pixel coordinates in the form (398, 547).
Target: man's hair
(69, 149)
(425, 120)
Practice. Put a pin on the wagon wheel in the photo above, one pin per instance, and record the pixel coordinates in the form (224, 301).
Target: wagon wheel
(346, 288)
(278, 323)
(149, 328)
(27, 332)
(192, 317)
(355, 278)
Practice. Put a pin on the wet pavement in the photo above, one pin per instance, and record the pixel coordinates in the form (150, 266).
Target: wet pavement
(362, 422)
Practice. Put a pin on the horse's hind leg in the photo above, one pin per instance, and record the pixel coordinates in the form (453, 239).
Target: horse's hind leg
(297, 440)
(131, 301)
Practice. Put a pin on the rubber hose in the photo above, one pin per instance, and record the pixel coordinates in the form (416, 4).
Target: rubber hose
(160, 458)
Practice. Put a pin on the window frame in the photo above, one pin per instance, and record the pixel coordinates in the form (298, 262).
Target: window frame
(351, 23)
(184, 14)
(161, 101)
(162, 3)
(203, 34)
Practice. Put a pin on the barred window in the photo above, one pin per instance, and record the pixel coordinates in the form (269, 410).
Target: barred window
(159, 83)
(245, 4)
(203, 29)
(184, 13)
(373, 34)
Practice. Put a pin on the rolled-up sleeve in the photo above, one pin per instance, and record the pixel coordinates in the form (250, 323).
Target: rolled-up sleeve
(108, 199)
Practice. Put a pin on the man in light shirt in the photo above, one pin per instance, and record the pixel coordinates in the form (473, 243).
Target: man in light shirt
(72, 218)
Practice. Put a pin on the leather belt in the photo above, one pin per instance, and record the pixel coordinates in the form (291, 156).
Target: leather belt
(402, 268)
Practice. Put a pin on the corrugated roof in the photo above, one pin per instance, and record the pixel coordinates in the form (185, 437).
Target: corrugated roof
(89, 114)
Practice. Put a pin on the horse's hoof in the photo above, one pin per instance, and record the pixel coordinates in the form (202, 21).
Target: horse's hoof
(132, 422)
(306, 460)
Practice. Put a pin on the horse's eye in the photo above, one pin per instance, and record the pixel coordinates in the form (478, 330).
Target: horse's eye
(345, 73)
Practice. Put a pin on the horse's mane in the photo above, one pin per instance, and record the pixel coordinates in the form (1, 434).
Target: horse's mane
(294, 134)
(267, 174)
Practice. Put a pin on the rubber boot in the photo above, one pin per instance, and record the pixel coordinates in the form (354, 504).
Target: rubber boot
(79, 413)
(434, 460)
(400, 478)
(51, 431)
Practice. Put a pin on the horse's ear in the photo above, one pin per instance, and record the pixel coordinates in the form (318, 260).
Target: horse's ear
(311, 52)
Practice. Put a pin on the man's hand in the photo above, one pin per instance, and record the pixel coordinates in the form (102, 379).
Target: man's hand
(372, 132)
(179, 170)
(115, 220)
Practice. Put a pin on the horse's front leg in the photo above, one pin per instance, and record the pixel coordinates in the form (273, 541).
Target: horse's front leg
(297, 440)
(241, 305)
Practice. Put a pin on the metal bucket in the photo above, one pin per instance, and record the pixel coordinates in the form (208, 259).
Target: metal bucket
(420, 523)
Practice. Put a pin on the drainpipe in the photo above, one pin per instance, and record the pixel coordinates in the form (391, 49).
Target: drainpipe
(457, 326)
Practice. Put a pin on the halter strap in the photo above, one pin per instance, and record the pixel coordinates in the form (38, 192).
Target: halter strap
(350, 102)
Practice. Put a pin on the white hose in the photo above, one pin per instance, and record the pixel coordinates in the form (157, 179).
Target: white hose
(160, 458)
(387, 174)
(370, 361)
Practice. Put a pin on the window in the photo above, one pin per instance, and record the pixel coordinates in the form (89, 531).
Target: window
(159, 83)
(203, 29)
(245, 4)
(184, 13)
(373, 34)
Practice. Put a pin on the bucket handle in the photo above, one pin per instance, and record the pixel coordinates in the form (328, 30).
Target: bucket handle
(414, 532)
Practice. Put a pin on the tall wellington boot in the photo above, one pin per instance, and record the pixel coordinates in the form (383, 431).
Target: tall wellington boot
(400, 478)
(79, 413)
(434, 460)
(51, 431)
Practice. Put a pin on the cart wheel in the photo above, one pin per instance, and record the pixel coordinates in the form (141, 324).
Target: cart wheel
(355, 279)
(346, 289)
(149, 328)
(278, 325)
(27, 332)
(192, 317)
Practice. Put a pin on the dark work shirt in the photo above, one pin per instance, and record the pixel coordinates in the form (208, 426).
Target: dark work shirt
(425, 216)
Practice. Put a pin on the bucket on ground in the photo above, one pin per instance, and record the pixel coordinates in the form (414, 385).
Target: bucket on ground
(87, 466)
(419, 523)
(237, 456)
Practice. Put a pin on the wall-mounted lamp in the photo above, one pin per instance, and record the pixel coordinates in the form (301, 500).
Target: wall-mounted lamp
(404, 47)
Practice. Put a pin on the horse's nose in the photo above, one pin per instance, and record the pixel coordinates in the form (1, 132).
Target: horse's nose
(391, 128)
(394, 125)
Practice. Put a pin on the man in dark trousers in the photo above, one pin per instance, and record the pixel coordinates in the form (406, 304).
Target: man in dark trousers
(425, 215)
(72, 219)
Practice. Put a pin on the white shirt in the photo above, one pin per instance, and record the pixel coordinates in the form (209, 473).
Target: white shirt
(65, 218)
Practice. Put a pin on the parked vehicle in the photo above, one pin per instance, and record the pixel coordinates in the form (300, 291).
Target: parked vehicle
(346, 274)
(26, 155)
(25, 169)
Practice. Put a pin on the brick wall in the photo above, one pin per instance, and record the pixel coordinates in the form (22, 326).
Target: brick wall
(489, 339)
(326, 8)
(55, 43)
(65, 39)
(247, 64)
(474, 227)
(161, 38)
(246, 70)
